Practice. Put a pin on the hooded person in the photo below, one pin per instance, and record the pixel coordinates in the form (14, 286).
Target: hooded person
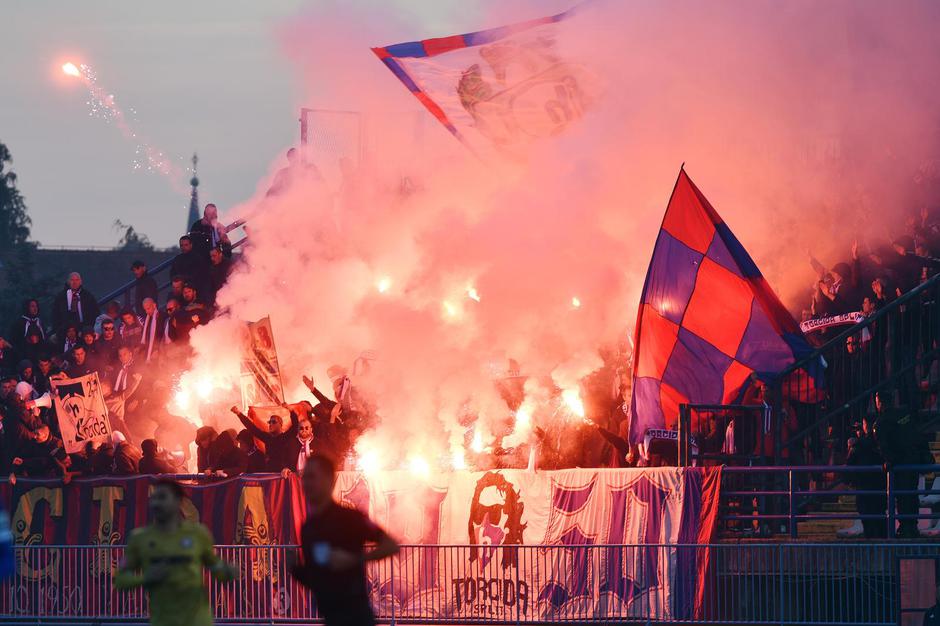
(226, 459)
(205, 437)
(126, 456)
(151, 461)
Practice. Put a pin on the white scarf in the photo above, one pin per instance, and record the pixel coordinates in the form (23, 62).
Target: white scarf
(303, 454)
(33, 321)
(69, 295)
(166, 329)
(121, 383)
(149, 334)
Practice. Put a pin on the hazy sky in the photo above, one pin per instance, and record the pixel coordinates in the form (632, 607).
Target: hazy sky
(209, 76)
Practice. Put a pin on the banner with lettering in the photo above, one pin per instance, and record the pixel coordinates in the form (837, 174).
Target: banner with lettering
(833, 320)
(260, 372)
(81, 411)
(605, 528)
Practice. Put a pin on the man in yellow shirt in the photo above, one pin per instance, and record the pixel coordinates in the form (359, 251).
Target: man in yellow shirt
(167, 558)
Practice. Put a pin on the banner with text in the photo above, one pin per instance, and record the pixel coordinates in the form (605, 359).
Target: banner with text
(260, 372)
(604, 526)
(81, 411)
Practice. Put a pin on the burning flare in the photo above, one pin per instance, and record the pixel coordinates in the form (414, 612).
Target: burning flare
(71, 70)
(572, 400)
(419, 466)
(477, 444)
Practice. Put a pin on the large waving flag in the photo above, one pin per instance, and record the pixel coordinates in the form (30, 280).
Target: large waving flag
(707, 320)
(496, 90)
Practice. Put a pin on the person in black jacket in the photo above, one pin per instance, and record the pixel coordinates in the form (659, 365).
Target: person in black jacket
(208, 233)
(151, 462)
(864, 451)
(254, 458)
(901, 443)
(205, 437)
(28, 320)
(219, 269)
(144, 287)
(333, 550)
(280, 445)
(74, 304)
(225, 457)
(191, 265)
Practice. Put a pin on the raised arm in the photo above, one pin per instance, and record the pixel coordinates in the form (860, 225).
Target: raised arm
(294, 420)
(248, 424)
(316, 392)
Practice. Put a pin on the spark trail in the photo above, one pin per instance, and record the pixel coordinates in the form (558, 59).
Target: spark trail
(103, 105)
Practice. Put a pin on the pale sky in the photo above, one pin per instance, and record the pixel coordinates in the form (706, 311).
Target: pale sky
(209, 76)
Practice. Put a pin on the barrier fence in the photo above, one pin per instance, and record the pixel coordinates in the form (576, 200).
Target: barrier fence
(824, 584)
(779, 499)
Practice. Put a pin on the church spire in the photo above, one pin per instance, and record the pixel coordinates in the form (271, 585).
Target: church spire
(194, 197)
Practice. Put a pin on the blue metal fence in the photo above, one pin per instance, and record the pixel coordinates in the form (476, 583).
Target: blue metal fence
(754, 583)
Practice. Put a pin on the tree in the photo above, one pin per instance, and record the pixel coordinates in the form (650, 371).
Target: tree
(14, 222)
(131, 240)
(18, 278)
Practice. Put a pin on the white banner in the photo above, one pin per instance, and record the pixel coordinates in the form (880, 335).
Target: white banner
(261, 374)
(81, 411)
(833, 320)
(579, 508)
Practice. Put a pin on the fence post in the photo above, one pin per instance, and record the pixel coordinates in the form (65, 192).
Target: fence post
(777, 424)
(780, 603)
(391, 570)
(683, 439)
(791, 505)
(889, 492)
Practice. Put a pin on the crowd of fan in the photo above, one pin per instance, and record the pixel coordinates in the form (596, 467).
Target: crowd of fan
(135, 348)
(901, 346)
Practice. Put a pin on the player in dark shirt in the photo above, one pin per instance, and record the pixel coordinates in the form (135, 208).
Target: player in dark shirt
(333, 554)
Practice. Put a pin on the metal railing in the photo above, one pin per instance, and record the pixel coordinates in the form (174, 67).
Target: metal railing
(165, 265)
(824, 584)
(779, 499)
(894, 352)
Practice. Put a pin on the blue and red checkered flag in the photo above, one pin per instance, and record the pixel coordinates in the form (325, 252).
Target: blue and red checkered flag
(500, 89)
(707, 320)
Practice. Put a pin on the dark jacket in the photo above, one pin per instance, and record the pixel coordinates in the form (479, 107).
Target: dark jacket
(144, 287)
(280, 450)
(61, 315)
(21, 325)
(194, 266)
(159, 320)
(154, 465)
(225, 455)
(218, 274)
(201, 235)
(74, 370)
